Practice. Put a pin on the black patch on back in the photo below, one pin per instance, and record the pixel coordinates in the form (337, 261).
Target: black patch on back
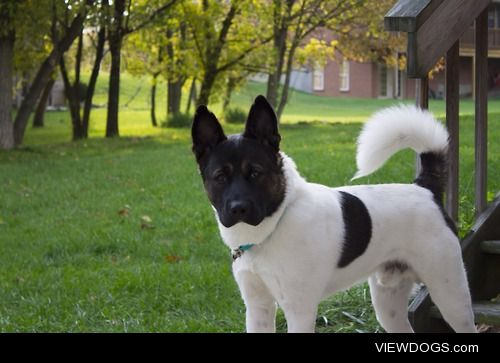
(357, 228)
(433, 177)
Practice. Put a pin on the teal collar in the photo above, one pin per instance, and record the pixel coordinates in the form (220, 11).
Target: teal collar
(246, 247)
(238, 252)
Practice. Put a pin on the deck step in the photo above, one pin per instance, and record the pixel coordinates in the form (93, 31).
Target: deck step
(492, 247)
(485, 312)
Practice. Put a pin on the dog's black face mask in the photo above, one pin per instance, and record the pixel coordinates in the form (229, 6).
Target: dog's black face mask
(242, 174)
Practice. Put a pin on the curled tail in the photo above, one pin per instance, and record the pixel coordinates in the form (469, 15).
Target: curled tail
(395, 128)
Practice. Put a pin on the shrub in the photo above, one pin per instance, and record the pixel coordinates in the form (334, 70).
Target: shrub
(235, 115)
(178, 120)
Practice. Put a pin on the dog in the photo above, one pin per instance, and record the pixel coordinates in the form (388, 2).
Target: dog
(295, 243)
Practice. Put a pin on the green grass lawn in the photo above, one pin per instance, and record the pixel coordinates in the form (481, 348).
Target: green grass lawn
(117, 235)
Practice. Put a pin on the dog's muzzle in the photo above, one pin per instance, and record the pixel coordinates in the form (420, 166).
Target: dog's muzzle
(240, 211)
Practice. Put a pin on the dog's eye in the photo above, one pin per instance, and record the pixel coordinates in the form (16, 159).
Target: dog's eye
(254, 174)
(220, 178)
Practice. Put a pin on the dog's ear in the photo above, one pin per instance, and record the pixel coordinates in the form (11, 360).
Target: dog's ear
(262, 124)
(206, 132)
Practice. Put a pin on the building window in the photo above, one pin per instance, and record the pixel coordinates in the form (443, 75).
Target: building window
(491, 19)
(344, 76)
(318, 78)
(494, 17)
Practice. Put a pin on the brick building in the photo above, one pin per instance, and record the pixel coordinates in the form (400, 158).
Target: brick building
(344, 78)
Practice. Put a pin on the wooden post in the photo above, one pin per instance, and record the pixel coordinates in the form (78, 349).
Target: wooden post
(452, 118)
(422, 101)
(481, 129)
(422, 96)
(473, 77)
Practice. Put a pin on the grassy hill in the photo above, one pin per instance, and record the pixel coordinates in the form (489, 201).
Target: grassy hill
(118, 235)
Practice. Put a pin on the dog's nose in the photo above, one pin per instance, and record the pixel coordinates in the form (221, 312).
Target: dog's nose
(239, 208)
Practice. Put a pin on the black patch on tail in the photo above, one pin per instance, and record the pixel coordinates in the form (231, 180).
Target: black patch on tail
(433, 176)
(357, 228)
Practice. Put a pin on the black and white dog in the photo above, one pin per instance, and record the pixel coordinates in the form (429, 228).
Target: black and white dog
(294, 243)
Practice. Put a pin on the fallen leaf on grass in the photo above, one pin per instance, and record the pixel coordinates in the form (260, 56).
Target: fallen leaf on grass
(146, 222)
(125, 211)
(172, 258)
(2, 221)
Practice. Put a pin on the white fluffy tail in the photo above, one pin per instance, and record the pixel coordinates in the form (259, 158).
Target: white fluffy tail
(393, 129)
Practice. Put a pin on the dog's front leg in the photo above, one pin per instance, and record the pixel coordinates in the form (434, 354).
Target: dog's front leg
(260, 305)
(300, 318)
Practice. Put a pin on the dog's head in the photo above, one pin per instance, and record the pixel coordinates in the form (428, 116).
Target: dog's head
(242, 174)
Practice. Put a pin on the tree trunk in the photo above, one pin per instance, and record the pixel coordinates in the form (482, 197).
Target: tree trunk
(274, 78)
(174, 82)
(42, 77)
(38, 118)
(114, 90)
(174, 96)
(115, 45)
(87, 105)
(286, 86)
(231, 84)
(192, 95)
(71, 92)
(280, 31)
(272, 88)
(6, 69)
(206, 87)
(153, 101)
(213, 53)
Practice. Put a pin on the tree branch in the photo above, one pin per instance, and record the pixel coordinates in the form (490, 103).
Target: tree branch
(150, 18)
(197, 44)
(214, 53)
(127, 17)
(232, 62)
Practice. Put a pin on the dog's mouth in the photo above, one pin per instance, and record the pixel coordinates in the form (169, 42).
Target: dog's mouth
(228, 220)
(240, 211)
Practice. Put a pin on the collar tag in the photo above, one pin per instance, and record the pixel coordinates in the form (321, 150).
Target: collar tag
(240, 250)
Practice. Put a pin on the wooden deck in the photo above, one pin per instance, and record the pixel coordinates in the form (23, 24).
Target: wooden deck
(434, 29)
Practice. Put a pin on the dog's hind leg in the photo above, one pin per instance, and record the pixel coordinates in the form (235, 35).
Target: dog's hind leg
(391, 304)
(445, 278)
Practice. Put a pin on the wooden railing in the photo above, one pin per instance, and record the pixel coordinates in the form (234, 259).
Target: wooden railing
(467, 40)
(435, 29)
